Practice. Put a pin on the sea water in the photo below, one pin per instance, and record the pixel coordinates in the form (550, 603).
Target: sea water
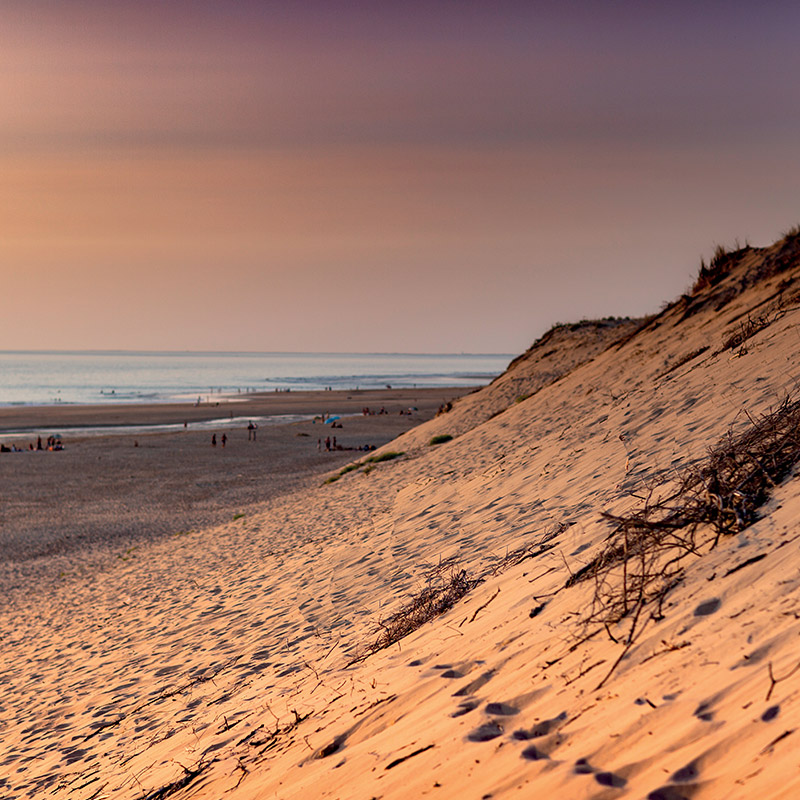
(46, 378)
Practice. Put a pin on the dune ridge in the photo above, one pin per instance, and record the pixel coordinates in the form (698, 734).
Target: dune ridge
(241, 660)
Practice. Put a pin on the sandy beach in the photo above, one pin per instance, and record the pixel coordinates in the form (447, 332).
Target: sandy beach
(118, 489)
(255, 404)
(580, 582)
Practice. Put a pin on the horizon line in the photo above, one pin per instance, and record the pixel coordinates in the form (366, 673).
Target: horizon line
(126, 351)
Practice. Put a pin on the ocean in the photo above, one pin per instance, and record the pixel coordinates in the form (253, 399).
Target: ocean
(49, 378)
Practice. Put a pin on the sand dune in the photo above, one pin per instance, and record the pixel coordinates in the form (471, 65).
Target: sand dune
(234, 660)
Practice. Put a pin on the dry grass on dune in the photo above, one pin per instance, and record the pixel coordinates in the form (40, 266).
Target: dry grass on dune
(646, 555)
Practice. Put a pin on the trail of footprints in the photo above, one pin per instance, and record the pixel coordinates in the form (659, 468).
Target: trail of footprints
(680, 786)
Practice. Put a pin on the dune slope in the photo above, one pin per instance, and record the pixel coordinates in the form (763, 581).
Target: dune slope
(236, 661)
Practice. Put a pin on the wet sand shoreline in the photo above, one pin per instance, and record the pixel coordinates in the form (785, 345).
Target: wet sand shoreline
(344, 402)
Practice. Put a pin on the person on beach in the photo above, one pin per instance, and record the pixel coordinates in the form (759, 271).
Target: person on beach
(213, 439)
(224, 439)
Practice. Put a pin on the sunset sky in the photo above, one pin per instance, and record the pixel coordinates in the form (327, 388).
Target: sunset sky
(365, 176)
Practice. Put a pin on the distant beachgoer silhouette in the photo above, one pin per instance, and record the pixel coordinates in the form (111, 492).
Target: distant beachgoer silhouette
(213, 439)
(224, 439)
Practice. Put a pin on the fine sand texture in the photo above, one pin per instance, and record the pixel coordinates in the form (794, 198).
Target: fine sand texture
(609, 554)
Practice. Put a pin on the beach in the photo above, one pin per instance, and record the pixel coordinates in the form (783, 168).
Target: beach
(116, 484)
(580, 581)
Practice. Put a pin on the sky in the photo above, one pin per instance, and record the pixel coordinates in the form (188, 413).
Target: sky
(447, 176)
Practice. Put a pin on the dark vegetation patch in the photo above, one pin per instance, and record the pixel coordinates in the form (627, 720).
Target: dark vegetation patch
(774, 260)
(645, 554)
(749, 328)
(654, 320)
(350, 468)
(440, 439)
(546, 340)
(190, 775)
(722, 264)
(369, 463)
(786, 254)
(389, 455)
(442, 592)
(445, 585)
(712, 290)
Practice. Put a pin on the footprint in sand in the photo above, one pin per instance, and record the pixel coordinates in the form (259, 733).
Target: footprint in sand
(704, 713)
(473, 687)
(72, 755)
(533, 753)
(541, 728)
(534, 612)
(465, 708)
(452, 673)
(770, 713)
(669, 793)
(485, 733)
(610, 779)
(448, 671)
(334, 747)
(687, 774)
(500, 710)
(604, 778)
(754, 657)
(708, 607)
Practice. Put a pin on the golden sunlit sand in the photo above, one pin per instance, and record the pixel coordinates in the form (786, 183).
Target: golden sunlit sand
(607, 536)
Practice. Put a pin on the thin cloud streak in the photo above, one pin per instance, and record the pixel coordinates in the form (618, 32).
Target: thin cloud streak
(482, 170)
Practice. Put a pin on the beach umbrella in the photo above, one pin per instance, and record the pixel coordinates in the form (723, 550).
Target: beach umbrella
(330, 419)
